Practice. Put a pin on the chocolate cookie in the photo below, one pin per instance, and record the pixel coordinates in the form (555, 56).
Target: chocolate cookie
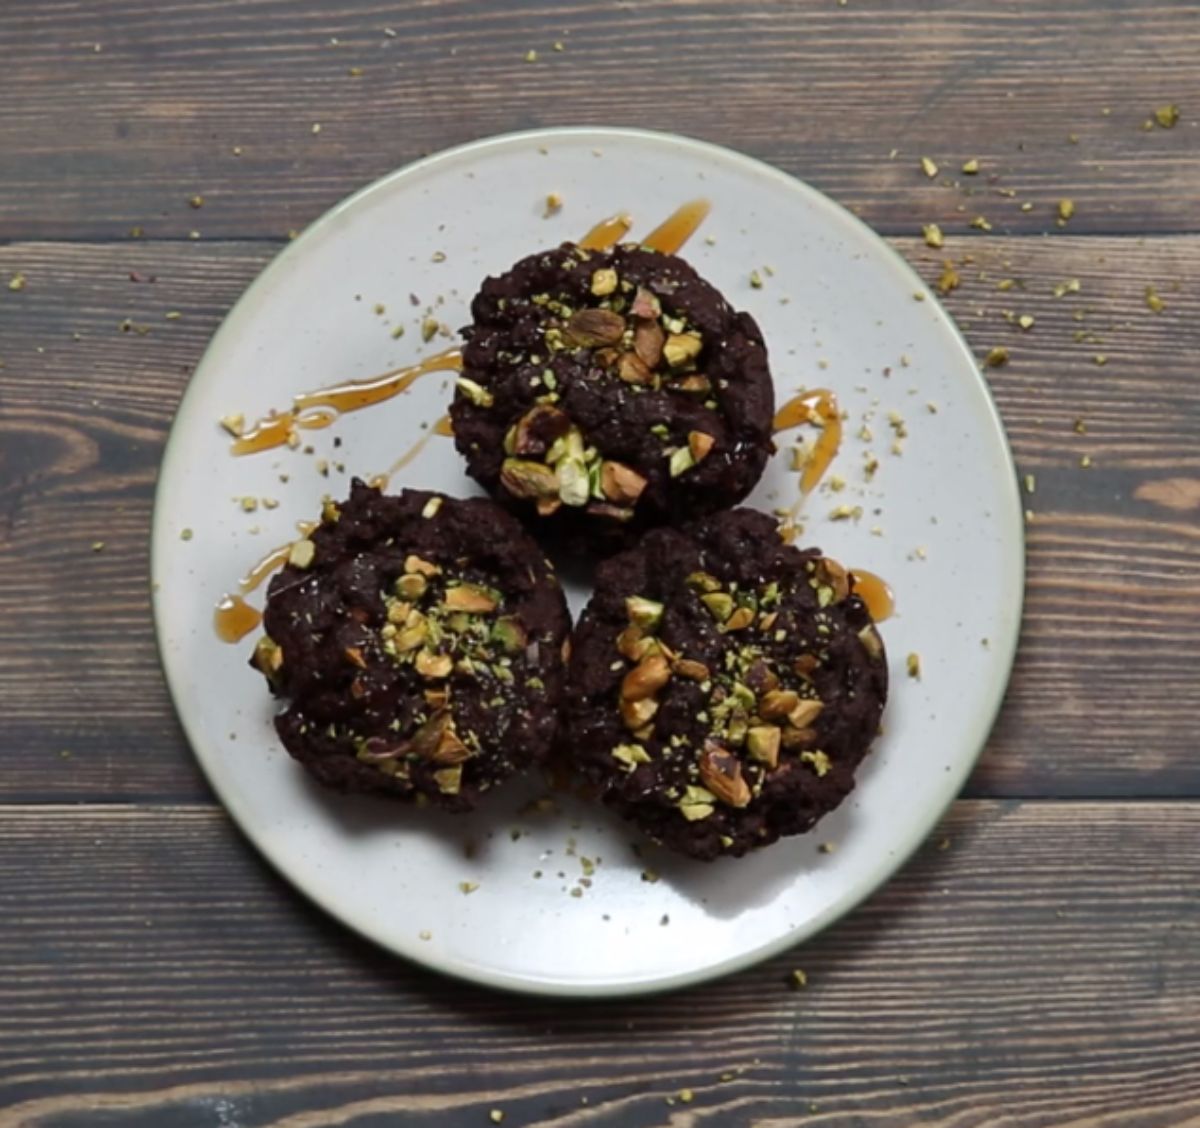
(607, 392)
(418, 641)
(723, 686)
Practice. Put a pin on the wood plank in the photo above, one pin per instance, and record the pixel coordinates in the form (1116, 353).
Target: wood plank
(1114, 550)
(154, 974)
(122, 111)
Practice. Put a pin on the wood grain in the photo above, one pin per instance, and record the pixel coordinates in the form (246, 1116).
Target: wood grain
(1040, 970)
(1114, 569)
(128, 108)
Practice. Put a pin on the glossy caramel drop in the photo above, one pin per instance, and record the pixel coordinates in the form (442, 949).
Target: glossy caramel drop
(234, 618)
(607, 232)
(357, 394)
(874, 592)
(819, 406)
(318, 409)
(674, 231)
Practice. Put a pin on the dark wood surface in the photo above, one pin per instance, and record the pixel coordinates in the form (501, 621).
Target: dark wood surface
(1043, 969)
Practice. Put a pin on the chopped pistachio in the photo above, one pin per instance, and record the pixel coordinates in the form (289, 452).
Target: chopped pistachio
(1153, 301)
(680, 348)
(645, 613)
(933, 235)
(719, 604)
(697, 803)
(429, 328)
(996, 357)
(604, 282)
(1066, 209)
(681, 461)
(476, 393)
(756, 281)
(431, 507)
(762, 742)
(928, 167)
(470, 598)
(414, 563)
(981, 223)
(702, 581)
(235, 424)
(1025, 321)
(1167, 116)
(301, 554)
(631, 755)
(913, 665)
(845, 512)
(949, 279)
(554, 203)
(819, 760)
(971, 167)
(574, 486)
(411, 586)
(17, 282)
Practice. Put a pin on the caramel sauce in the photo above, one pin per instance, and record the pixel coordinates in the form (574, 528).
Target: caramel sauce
(874, 592)
(274, 429)
(670, 235)
(444, 427)
(273, 561)
(607, 232)
(819, 406)
(409, 454)
(234, 618)
(317, 409)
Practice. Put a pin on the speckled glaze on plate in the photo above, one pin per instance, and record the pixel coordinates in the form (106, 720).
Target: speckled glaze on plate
(557, 900)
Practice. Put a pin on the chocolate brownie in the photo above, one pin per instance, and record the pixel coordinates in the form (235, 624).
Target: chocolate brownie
(607, 392)
(723, 686)
(418, 642)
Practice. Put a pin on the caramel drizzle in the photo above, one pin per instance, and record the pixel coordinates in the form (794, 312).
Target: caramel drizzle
(320, 408)
(819, 407)
(874, 592)
(674, 231)
(234, 618)
(607, 233)
(273, 561)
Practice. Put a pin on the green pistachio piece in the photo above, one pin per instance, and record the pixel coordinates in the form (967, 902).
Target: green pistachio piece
(645, 613)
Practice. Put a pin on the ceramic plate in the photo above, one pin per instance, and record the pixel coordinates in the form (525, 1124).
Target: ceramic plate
(562, 898)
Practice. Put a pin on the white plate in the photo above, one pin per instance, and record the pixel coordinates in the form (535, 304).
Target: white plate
(838, 310)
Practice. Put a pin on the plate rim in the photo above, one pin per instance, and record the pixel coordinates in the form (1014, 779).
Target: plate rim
(890, 862)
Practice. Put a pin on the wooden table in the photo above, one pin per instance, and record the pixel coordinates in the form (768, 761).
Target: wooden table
(1037, 964)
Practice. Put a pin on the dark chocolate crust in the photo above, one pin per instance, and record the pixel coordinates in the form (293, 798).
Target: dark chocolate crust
(627, 364)
(768, 675)
(419, 650)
